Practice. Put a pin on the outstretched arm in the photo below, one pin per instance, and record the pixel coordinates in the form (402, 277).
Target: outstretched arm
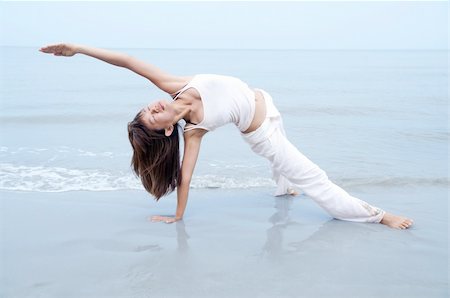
(70, 49)
(164, 81)
(192, 141)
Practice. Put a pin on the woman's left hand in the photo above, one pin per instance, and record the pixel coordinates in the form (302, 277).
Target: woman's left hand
(166, 219)
(61, 49)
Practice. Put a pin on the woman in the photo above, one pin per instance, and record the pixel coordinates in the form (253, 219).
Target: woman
(205, 102)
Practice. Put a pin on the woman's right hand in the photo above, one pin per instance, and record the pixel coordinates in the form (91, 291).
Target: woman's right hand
(166, 219)
(60, 49)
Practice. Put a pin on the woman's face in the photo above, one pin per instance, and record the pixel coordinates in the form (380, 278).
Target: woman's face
(158, 115)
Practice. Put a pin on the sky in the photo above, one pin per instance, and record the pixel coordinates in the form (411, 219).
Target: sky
(228, 25)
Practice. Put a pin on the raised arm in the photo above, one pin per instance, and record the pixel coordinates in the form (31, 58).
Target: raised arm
(192, 141)
(164, 81)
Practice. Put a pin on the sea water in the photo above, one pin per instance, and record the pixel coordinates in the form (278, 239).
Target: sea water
(368, 118)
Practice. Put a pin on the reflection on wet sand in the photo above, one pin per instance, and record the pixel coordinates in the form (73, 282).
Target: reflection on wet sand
(182, 237)
(332, 234)
(301, 252)
(302, 236)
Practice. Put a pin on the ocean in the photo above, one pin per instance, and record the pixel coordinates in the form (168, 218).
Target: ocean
(74, 220)
(368, 118)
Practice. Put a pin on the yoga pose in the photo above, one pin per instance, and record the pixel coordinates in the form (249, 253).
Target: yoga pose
(205, 102)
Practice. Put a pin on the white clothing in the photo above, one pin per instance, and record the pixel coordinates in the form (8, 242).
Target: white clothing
(294, 171)
(225, 100)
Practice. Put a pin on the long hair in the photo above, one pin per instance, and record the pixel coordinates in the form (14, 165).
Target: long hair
(156, 157)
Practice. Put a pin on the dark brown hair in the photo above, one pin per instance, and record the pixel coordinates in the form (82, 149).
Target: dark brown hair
(156, 157)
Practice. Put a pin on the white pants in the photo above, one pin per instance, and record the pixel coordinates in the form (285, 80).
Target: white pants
(294, 171)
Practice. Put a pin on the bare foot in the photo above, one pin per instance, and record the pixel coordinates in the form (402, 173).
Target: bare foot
(292, 192)
(395, 221)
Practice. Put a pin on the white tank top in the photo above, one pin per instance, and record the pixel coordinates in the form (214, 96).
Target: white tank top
(225, 100)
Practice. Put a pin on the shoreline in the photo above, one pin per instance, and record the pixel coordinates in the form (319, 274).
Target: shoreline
(230, 243)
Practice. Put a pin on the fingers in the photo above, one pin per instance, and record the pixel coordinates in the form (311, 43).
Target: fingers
(156, 218)
(47, 49)
(52, 48)
(159, 218)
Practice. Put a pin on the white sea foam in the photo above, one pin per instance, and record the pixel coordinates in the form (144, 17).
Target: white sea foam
(59, 179)
(56, 179)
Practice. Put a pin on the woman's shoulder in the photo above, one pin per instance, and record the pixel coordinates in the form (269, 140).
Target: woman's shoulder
(178, 83)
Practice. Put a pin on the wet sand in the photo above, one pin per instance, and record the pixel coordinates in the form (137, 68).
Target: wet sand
(231, 243)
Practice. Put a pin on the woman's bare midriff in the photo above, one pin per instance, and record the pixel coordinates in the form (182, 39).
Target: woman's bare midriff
(260, 112)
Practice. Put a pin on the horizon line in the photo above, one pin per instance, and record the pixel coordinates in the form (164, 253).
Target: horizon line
(255, 49)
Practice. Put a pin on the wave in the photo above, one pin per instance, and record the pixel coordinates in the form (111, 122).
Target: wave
(66, 118)
(395, 181)
(426, 135)
(63, 150)
(59, 179)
